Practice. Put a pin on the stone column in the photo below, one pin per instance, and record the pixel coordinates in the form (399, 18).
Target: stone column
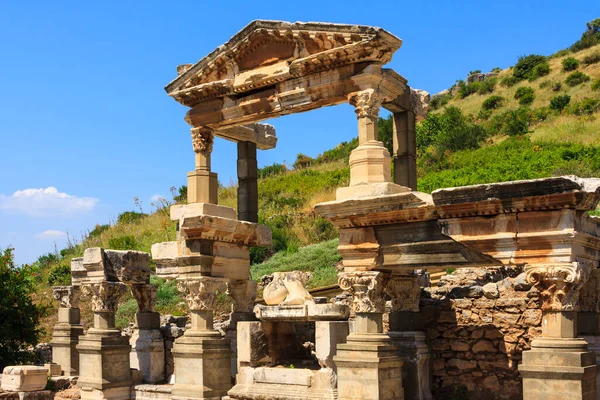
(104, 371)
(247, 168)
(202, 358)
(66, 333)
(406, 331)
(559, 364)
(369, 366)
(202, 183)
(147, 343)
(243, 294)
(405, 149)
(588, 317)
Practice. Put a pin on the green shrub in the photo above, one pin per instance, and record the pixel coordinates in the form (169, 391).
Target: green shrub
(570, 64)
(484, 115)
(303, 161)
(541, 114)
(589, 38)
(517, 122)
(556, 87)
(428, 130)
(591, 58)
(125, 242)
(493, 102)
(458, 133)
(467, 90)
(561, 53)
(440, 100)
(576, 78)
(545, 84)
(523, 91)
(596, 85)
(509, 81)
(19, 315)
(558, 103)
(496, 70)
(524, 69)
(60, 276)
(180, 196)
(539, 70)
(487, 86)
(587, 106)
(97, 231)
(130, 217)
(527, 99)
(269, 170)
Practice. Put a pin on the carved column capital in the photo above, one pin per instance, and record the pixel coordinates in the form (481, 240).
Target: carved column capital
(105, 296)
(405, 292)
(201, 294)
(202, 140)
(366, 103)
(145, 295)
(558, 284)
(67, 296)
(366, 288)
(243, 294)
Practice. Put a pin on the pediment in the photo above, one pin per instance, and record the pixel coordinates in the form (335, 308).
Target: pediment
(267, 52)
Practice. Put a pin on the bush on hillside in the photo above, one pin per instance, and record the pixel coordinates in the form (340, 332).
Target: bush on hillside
(556, 87)
(589, 38)
(576, 78)
(561, 53)
(527, 99)
(493, 103)
(596, 85)
(539, 70)
(428, 130)
(458, 133)
(509, 81)
(496, 70)
(181, 196)
(130, 217)
(97, 231)
(269, 170)
(487, 86)
(587, 106)
(570, 64)
(440, 100)
(511, 122)
(303, 161)
(465, 90)
(558, 103)
(19, 315)
(60, 275)
(125, 242)
(591, 58)
(523, 91)
(524, 69)
(545, 84)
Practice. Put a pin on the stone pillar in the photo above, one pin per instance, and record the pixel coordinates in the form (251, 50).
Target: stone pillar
(369, 366)
(202, 183)
(405, 149)
(370, 162)
(104, 371)
(66, 333)
(559, 364)
(247, 168)
(243, 294)
(147, 343)
(588, 317)
(406, 331)
(202, 358)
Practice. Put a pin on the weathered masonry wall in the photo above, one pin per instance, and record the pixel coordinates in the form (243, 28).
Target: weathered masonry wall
(478, 322)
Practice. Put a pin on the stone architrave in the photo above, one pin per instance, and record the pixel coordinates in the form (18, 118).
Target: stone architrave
(103, 353)
(67, 331)
(147, 342)
(202, 358)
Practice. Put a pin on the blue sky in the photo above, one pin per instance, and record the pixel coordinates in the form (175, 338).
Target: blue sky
(85, 124)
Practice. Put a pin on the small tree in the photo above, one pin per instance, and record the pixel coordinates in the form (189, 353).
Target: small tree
(19, 317)
(570, 64)
(559, 102)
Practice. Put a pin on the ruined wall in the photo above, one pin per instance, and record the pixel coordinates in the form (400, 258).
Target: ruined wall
(478, 322)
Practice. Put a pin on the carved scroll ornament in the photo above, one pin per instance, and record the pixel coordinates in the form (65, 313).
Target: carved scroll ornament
(558, 284)
(366, 289)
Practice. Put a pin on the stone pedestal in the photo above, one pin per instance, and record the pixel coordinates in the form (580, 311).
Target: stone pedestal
(202, 361)
(232, 336)
(65, 338)
(148, 347)
(416, 371)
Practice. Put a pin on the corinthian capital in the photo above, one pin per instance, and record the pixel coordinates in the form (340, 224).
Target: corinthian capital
(145, 295)
(366, 103)
(366, 289)
(105, 295)
(558, 284)
(67, 296)
(202, 140)
(201, 293)
(405, 292)
(243, 294)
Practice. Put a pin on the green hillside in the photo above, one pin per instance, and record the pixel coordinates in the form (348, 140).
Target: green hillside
(480, 132)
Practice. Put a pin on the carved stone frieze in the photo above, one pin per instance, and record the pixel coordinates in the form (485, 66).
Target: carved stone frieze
(366, 288)
(589, 295)
(558, 284)
(404, 291)
(145, 295)
(201, 294)
(105, 295)
(243, 294)
(67, 296)
(366, 103)
(202, 140)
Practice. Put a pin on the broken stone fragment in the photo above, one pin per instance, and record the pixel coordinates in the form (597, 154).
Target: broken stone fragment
(288, 288)
(127, 266)
(24, 378)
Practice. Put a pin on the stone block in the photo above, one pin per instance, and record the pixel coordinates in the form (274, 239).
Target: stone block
(148, 353)
(24, 378)
(179, 211)
(127, 266)
(53, 369)
(164, 256)
(78, 272)
(252, 343)
(328, 334)
(37, 395)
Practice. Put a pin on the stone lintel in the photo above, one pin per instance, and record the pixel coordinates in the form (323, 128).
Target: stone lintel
(126, 266)
(224, 230)
(262, 134)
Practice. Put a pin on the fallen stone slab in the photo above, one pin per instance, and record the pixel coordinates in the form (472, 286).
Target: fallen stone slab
(24, 378)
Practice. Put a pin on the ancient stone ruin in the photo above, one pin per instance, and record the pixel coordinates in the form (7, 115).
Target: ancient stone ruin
(518, 319)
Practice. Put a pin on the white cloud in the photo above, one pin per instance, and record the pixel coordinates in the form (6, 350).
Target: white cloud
(46, 202)
(51, 235)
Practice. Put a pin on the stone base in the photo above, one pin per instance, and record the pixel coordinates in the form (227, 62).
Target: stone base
(116, 393)
(202, 366)
(202, 187)
(65, 338)
(151, 392)
(559, 369)
(416, 373)
(369, 367)
(148, 348)
(284, 384)
(369, 190)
